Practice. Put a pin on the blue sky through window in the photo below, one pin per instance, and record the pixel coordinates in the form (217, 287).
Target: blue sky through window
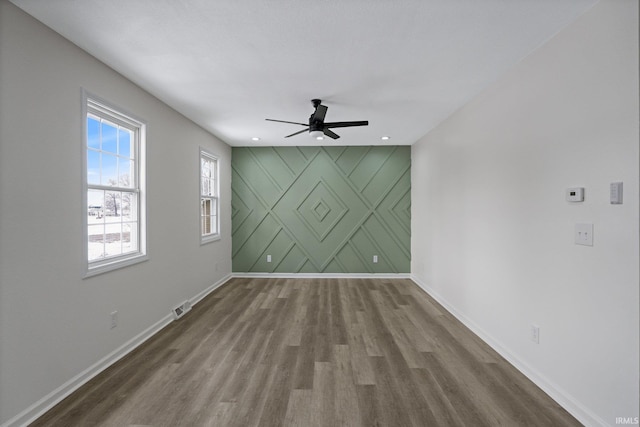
(109, 156)
(124, 142)
(109, 138)
(93, 133)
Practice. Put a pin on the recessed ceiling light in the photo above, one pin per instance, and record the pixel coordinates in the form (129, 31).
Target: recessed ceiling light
(385, 138)
(255, 138)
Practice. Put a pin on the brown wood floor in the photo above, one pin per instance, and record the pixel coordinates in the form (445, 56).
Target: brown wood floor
(311, 352)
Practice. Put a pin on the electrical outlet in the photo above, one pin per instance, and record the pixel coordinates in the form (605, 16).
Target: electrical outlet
(535, 334)
(375, 259)
(268, 258)
(114, 319)
(584, 234)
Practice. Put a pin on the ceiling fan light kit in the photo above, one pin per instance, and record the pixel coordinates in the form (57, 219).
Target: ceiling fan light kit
(317, 134)
(317, 127)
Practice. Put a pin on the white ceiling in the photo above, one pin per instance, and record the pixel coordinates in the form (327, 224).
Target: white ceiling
(404, 65)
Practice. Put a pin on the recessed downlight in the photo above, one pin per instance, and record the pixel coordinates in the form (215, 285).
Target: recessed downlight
(255, 138)
(385, 138)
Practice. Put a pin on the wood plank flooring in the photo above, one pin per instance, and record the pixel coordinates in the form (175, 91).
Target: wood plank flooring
(311, 352)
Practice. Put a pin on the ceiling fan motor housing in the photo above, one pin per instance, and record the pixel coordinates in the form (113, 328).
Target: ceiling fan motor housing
(317, 124)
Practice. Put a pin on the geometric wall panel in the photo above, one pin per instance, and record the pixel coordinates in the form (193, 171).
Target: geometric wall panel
(321, 209)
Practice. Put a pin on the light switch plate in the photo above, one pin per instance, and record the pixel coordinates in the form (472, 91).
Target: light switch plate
(584, 234)
(615, 193)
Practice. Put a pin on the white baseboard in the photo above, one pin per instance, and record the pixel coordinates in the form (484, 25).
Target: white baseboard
(199, 297)
(323, 275)
(49, 401)
(36, 410)
(564, 399)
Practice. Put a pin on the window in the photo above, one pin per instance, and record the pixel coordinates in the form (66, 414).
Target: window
(209, 206)
(113, 188)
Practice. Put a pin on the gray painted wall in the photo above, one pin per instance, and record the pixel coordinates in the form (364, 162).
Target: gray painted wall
(53, 324)
(493, 234)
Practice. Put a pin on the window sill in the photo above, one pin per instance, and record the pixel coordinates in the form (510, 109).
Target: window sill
(114, 265)
(209, 239)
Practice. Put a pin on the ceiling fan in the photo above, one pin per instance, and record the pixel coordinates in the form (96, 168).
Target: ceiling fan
(317, 127)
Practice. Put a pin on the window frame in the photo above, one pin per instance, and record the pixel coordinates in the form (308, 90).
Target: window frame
(205, 154)
(95, 106)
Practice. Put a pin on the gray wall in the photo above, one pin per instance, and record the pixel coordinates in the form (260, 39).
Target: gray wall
(493, 234)
(54, 325)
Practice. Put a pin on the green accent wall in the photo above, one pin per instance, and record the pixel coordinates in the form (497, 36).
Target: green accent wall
(321, 209)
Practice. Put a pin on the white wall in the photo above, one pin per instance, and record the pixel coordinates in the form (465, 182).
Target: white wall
(53, 324)
(493, 234)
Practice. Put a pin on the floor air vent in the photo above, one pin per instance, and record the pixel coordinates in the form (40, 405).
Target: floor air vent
(180, 310)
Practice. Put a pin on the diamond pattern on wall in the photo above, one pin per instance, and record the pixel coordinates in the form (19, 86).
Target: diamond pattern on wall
(321, 209)
(314, 204)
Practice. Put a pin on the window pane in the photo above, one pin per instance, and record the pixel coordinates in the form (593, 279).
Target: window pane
(109, 170)
(129, 207)
(205, 207)
(214, 203)
(205, 187)
(96, 242)
(205, 167)
(93, 133)
(93, 167)
(214, 218)
(212, 186)
(206, 225)
(109, 137)
(129, 238)
(124, 141)
(112, 206)
(208, 216)
(125, 170)
(113, 240)
(205, 213)
(95, 208)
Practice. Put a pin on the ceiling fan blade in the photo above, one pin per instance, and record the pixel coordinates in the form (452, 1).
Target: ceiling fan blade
(293, 134)
(321, 111)
(330, 133)
(346, 124)
(283, 121)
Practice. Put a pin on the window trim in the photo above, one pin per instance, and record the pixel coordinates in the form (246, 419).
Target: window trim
(204, 239)
(92, 104)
